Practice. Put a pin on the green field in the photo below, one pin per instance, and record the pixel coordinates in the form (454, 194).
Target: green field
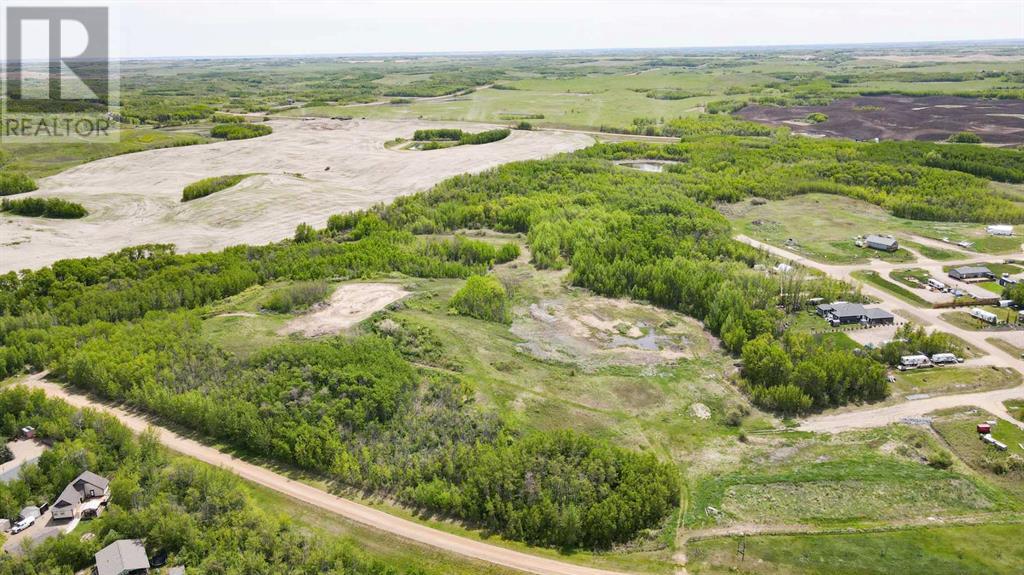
(899, 291)
(40, 160)
(824, 227)
(954, 379)
(975, 549)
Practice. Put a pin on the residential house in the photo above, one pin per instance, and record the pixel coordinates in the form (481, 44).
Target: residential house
(964, 273)
(87, 486)
(122, 557)
(843, 313)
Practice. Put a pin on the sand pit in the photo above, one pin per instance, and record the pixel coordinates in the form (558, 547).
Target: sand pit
(135, 198)
(349, 305)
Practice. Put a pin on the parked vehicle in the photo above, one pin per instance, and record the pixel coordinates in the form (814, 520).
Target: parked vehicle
(23, 525)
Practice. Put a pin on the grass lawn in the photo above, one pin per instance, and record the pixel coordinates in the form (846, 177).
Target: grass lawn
(866, 480)
(993, 549)
(1006, 346)
(915, 278)
(899, 291)
(965, 320)
(931, 252)
(954, 379)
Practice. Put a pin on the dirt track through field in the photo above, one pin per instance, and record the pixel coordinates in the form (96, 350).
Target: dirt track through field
(308, 170)
(325, 501)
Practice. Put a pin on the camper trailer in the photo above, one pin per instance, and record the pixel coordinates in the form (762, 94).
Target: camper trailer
(944, 358)
(985, 316)
(936, 284)
(914, 361)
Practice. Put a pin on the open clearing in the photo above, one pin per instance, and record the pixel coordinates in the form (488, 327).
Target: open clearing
(312, 169)
(349, 305)
(928, 118)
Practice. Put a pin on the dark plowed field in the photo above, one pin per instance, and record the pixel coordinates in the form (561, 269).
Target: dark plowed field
(927, 118)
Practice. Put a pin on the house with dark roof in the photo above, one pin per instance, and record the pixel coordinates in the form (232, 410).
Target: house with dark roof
(964, 273)
(122, 557)
(883, 243)
(85, 487)
(843, 313)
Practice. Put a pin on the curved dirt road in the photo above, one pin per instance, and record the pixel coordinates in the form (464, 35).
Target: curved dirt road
(329, 503)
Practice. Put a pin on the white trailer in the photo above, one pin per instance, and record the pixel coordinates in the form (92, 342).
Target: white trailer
(914, 361)
(940, 358)
(984, 315)
(936, 284)
(1000, 230)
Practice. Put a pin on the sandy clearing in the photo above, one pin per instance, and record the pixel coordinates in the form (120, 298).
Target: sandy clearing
(321, 499)
(135, 198)
(349, 305)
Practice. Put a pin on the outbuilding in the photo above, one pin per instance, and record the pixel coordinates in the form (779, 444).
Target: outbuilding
(875, 316)
(984, 428)
(122, 557)
(883, 243)
(971, 273)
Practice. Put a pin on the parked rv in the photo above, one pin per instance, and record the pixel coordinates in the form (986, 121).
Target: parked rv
(945, 358)
(984, 315)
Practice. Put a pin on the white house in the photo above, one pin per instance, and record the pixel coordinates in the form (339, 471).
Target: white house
(85, 487)
(1000, 230)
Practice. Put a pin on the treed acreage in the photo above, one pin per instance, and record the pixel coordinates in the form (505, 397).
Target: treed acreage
(443, 405)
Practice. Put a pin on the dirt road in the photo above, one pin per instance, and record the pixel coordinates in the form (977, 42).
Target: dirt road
(306, 171)
(931, 318)
(329, 503)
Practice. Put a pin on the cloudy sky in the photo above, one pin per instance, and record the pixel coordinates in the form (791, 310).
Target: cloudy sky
(229, 28)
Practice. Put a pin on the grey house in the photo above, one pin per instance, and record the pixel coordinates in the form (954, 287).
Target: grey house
(843, 313)
(883, 243)
(971, 273)
(122, 557)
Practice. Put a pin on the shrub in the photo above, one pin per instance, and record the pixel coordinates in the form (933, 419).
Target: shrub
(5, 453)
(437, 134)
(297, 296)
(44, 207)
(940, 459)
(240, 131)
(207, 186)
(965, 138)
(483, 297)
(484, 137)
(16, 183)
(817, 117)
(228, 119)
(305, 233)
(507, 252)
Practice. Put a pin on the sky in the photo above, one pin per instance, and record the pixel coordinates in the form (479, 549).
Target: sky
(247, 28)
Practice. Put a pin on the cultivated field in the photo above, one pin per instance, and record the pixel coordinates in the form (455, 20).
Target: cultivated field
(929, 118)
(309, 170)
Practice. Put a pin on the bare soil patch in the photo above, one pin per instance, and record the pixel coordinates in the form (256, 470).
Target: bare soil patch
(309, 171)
(349, 305)
(924, 118)
(593, 332)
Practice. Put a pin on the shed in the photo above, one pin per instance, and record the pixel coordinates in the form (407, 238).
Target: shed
(30, 511)
(884, 243)
(984, 428)
(122, 557)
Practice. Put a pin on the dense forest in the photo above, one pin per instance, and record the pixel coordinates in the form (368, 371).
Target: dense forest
(200, 517)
